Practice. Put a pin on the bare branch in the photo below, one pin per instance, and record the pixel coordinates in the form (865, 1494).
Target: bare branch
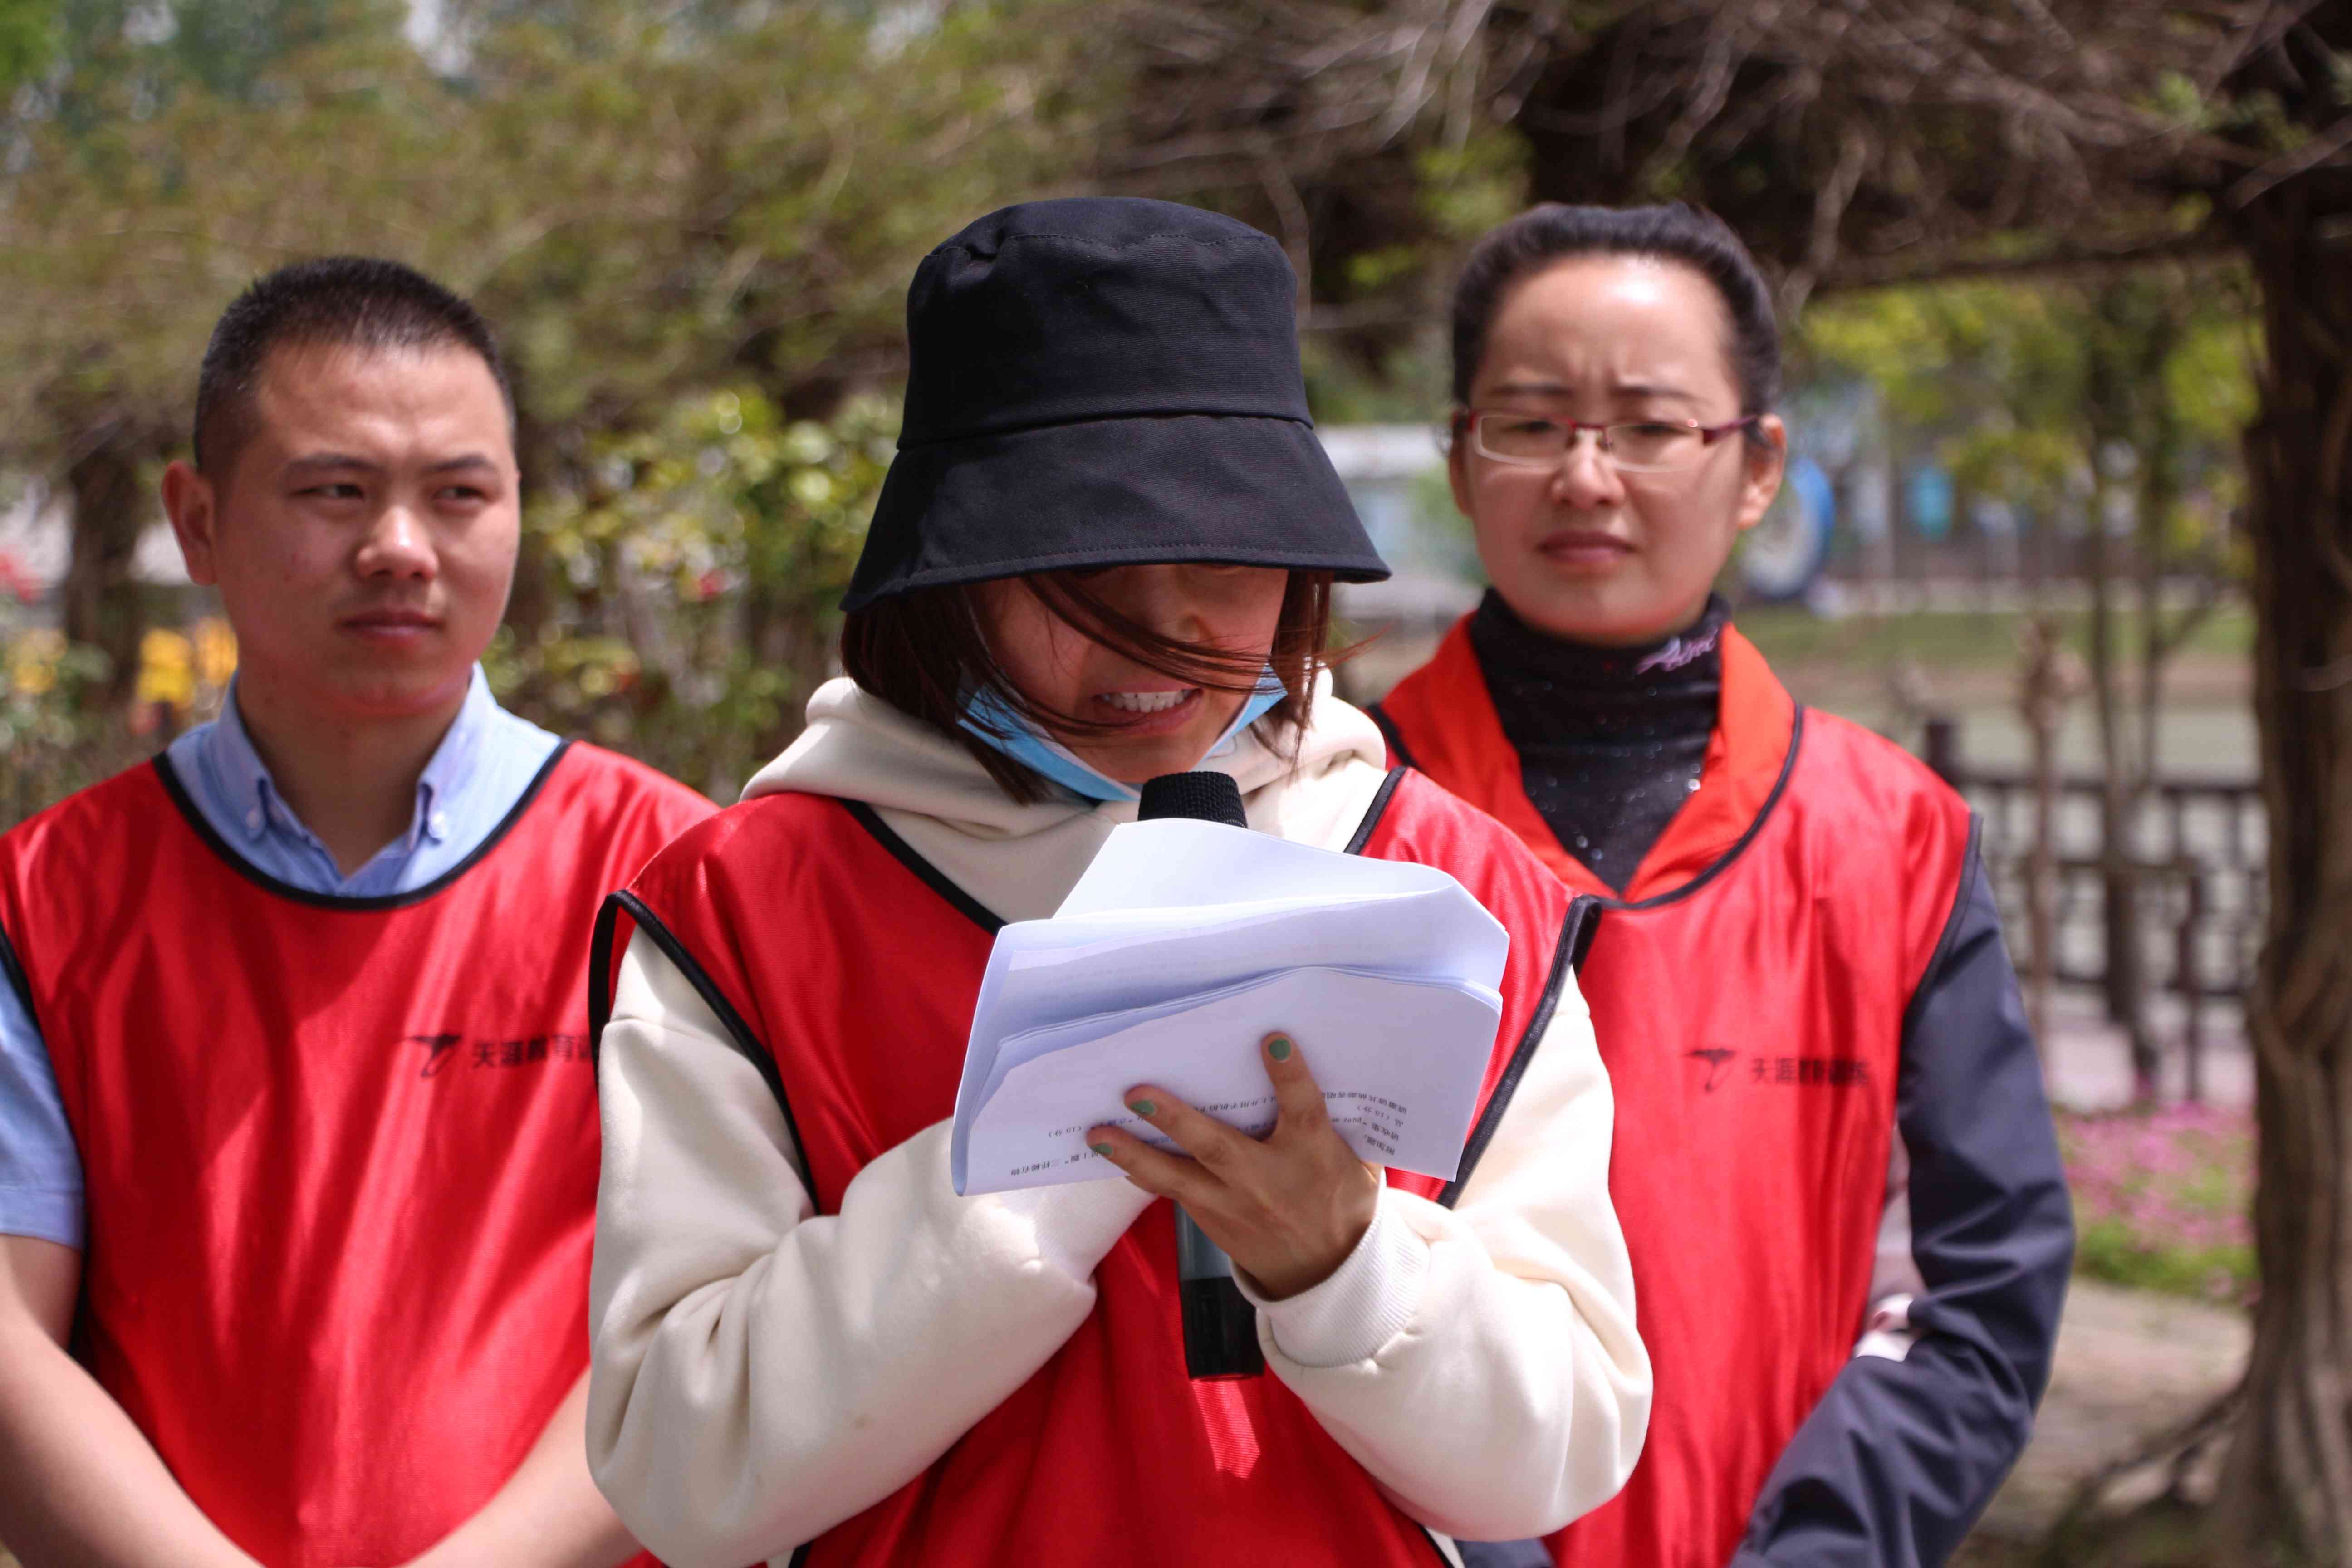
(2320, 150)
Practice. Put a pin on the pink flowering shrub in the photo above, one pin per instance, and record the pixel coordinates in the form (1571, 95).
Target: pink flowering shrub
(2163, 1201)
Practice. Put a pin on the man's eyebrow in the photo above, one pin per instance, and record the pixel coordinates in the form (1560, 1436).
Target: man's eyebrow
(321, 462)
(466, 460)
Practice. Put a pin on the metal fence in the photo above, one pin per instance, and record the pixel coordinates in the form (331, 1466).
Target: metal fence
(2194, 861)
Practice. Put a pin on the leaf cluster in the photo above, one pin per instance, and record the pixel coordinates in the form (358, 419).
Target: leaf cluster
(702, 565)
(2027, 388)
(645, 202)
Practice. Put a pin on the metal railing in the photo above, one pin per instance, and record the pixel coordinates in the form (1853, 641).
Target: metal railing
(2194, 862)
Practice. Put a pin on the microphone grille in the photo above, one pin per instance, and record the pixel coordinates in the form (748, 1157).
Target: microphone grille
(1207, 797)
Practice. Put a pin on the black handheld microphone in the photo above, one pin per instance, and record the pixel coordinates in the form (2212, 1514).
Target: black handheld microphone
(1220, 1325)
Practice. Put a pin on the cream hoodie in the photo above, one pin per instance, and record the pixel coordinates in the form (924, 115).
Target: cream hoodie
(762, 1372)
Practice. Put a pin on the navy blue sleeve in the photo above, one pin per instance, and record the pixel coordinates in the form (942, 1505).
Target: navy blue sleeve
(1901, 1456)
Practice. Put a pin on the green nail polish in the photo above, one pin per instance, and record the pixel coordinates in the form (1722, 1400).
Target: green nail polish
(1279, 1047)
(1102, 1149)
(1144, 1107)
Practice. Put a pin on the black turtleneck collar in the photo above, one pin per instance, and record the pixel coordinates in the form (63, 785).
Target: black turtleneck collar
(1610, 741)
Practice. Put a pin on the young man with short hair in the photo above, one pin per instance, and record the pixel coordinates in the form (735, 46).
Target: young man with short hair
(298, 1128)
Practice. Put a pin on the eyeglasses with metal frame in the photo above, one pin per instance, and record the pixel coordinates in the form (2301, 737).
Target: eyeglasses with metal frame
(1632, 445)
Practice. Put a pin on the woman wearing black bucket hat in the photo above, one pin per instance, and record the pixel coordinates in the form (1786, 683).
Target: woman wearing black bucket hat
(1103, 554)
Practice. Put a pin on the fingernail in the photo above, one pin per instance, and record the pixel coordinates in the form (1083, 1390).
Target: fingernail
(1279, 1047)
(1102, 1149)
(1144, 1107)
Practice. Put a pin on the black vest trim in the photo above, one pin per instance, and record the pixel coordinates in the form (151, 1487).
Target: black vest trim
(1971, 867)
(971, 909)
(194, 818)
(987, 920)
(1575, 939)
(1723, 862)
(1395, 737)
(739, 1033)
(1376, 810)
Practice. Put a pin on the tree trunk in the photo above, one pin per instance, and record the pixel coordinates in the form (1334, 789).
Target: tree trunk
(2043, 692)
(111, 507)
(531, 605)
(2118, 805)
(2159, 492)
(2159, 481)
(2288, 1483)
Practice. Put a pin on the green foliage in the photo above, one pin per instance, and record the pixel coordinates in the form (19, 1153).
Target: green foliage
(1958, 643)
(145, 200)
(54, 739)
(700, 570)
(29, 36)
(642, 203)
(2180, 100)
(233, 48)
(2017, 385)
(2112, 1251)
(1467, 190)
(1370, 271)
(674, 205)
(2209, 377)
(1406, 387)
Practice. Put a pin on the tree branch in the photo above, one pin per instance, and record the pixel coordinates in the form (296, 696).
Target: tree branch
(2198, 243)
(2320, 150)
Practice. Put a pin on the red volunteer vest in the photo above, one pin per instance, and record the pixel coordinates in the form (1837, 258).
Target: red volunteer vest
(846, 967)
(339, 1155)
(1749, 992)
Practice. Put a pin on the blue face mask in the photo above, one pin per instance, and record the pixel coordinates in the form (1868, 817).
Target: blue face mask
(988, 717)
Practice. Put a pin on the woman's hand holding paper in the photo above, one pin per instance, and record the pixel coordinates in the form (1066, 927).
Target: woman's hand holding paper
(1289, 1209)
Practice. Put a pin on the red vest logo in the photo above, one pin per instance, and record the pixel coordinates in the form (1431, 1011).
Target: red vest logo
(522, 1050)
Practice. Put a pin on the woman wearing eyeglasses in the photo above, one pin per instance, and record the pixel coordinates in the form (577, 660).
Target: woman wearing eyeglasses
(1835, 1161)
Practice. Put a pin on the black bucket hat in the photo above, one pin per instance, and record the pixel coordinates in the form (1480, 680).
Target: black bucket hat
(1103, 382)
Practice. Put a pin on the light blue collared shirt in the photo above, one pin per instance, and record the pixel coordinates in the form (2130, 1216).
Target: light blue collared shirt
(478, 773)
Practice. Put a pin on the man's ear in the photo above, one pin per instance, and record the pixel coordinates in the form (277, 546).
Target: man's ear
(190, 502)
(1766, 457)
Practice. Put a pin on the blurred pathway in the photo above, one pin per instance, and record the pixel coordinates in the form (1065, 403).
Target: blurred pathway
(2087, 1062)
(2130, 1364)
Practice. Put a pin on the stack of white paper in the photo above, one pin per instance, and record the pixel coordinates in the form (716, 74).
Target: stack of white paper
(1186, 943)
